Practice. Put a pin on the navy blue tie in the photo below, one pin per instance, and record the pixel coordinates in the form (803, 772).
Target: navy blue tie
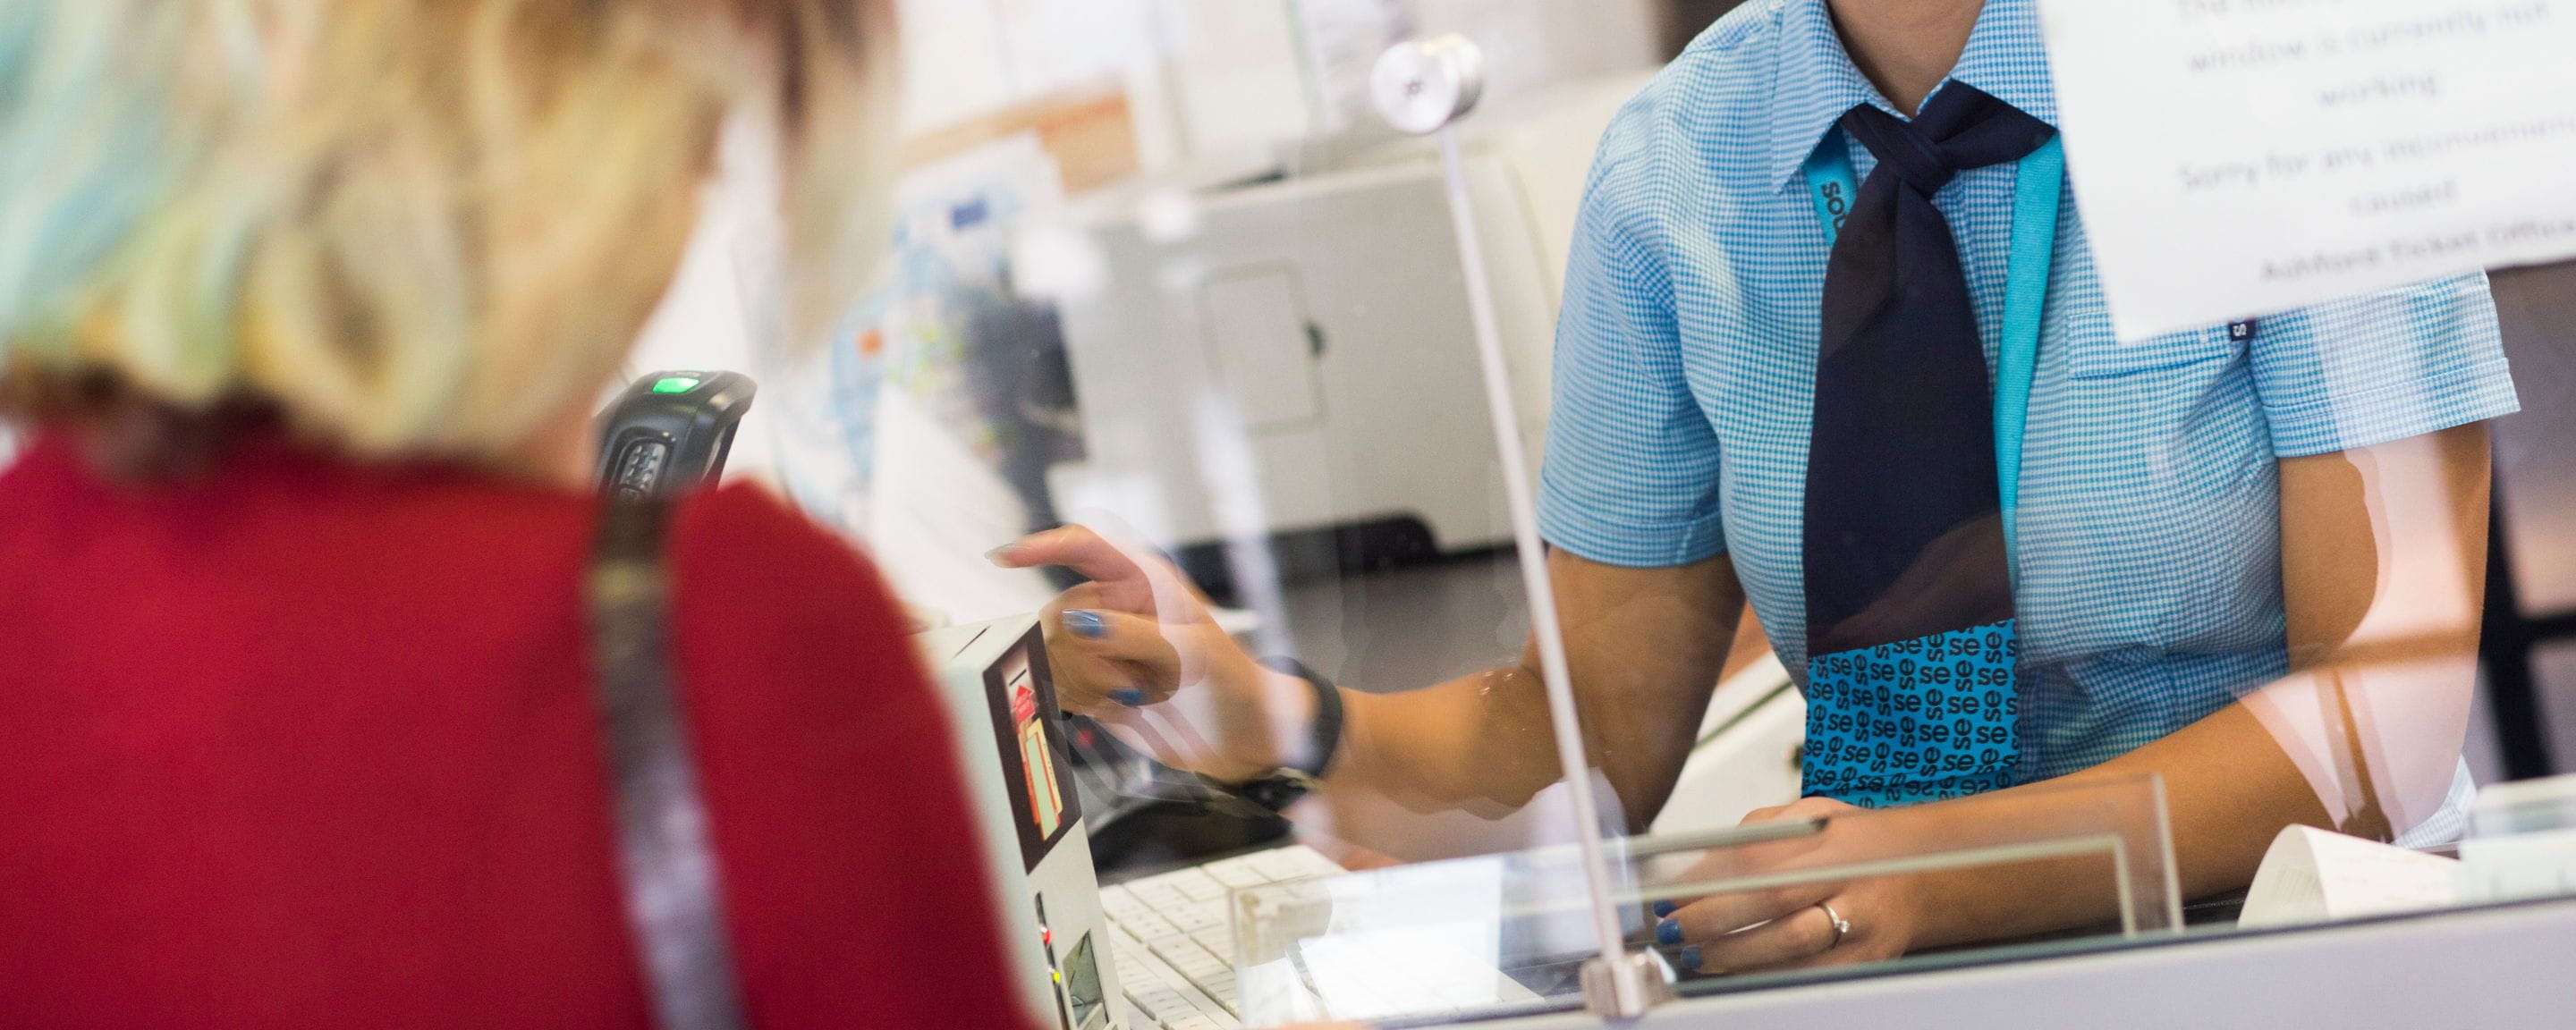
(1908, 586)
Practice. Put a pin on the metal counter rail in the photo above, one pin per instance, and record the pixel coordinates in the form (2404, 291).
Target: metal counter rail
(2496, 966)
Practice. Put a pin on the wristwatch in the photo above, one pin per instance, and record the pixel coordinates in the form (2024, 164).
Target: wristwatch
(1286, 784)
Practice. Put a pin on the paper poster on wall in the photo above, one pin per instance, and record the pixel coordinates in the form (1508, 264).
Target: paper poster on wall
(2239, 157)
(1342, 40)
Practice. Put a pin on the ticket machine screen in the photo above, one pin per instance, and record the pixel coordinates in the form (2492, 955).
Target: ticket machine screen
(1030, 732)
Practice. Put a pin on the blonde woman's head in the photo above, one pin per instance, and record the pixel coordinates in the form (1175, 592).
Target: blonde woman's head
(405, 227)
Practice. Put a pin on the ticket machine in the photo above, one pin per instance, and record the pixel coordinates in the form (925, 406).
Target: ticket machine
(1017, 767)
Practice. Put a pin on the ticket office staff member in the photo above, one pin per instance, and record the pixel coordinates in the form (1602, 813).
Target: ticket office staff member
(2193, 556)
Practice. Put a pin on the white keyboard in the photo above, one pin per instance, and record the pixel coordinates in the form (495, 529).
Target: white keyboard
(1173, 939)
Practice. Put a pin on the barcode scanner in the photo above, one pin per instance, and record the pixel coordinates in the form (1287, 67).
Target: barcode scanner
(669, 432)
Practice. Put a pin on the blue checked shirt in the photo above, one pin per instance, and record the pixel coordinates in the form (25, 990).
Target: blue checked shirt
(2148, 560)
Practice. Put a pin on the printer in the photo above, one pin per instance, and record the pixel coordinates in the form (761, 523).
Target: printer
(1290, 358)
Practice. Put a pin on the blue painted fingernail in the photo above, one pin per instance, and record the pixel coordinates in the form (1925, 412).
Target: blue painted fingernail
(1130, 698)
(1087, 624)
(1665, 908)
(1689, 959)
(1668, 932)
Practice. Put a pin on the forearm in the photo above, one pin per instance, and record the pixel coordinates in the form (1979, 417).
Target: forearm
(2309, 749)
(2383, 555)
(1137, 649)
(2228, 787)
(1482, 742)
(1644, 648)
(2365, 744)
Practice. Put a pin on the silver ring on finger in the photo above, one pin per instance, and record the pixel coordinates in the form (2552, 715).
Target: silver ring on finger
(1842, 926)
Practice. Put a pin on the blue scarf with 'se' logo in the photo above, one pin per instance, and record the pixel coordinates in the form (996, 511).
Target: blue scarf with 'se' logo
(1911, 630)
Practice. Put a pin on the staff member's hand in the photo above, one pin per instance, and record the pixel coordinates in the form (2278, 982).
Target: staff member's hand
(1137, 649)
(1796, 926)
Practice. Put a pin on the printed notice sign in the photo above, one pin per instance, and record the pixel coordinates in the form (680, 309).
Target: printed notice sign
(2239, 157)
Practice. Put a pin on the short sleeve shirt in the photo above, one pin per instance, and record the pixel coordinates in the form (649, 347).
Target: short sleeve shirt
(2148, 554)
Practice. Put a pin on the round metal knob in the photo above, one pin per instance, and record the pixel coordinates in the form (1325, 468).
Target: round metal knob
(1424, 85)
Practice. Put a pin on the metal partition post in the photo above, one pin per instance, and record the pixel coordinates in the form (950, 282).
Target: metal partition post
(1423, 88)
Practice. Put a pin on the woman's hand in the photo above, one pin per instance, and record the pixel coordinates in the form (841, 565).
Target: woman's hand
(1788, 927)
(1137, 649)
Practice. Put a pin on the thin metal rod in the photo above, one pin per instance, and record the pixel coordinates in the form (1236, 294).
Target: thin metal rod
(1533, 554)
(1938, 861)
(2120, 875)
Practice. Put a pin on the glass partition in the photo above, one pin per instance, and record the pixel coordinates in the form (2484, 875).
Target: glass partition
(1502, 934)
(1460, 939)
(1421, 510)
(1175, 368)
(1181, 291)
(1182, 365)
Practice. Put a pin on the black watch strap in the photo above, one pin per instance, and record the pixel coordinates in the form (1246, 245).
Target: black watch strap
(1284, 786)
(1325, 733)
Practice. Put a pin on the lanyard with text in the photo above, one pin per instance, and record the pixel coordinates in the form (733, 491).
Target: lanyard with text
(2034, 245)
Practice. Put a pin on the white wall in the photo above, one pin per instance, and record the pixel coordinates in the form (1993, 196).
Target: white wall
(965, 58)
(1214, 77)
(1204, 76)
(703, 323)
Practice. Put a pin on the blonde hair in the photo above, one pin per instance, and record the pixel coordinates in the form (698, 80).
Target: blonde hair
(405, 227)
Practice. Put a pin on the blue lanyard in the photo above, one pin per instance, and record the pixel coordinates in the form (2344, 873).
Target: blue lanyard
(2034, 246)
